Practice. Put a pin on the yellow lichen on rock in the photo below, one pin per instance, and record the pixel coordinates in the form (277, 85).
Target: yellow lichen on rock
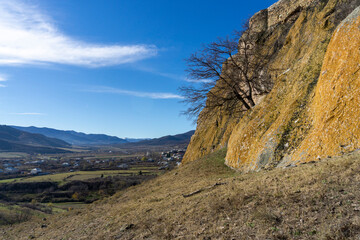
(313, 109)
(212, 133)
(214, 129)
(277, 126)
(336, 106)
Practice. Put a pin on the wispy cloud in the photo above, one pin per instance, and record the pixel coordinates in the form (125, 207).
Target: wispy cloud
(3, 78)
(198, 80)
(29, 37)
(171, 75)
(159, 73)
(28, 114)
(152, 95)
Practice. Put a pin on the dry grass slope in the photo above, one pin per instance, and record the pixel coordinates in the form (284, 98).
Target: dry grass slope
(311, 201)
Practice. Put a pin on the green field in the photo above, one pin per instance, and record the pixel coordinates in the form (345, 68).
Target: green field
(81, 175)
(13, 155)
(114, 156)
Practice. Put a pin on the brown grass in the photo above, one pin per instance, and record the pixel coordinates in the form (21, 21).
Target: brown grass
(312, 201)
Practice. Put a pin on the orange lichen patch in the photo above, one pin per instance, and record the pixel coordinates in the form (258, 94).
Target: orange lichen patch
(336, 106)
(212, 133)
(277, 125)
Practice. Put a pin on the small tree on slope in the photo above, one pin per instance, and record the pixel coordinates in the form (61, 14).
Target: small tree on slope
(226, 73)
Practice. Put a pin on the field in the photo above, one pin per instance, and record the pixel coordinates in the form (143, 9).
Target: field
(29, 196)
(124, 156)
(71, 181)
(83, 175)
(13, 155)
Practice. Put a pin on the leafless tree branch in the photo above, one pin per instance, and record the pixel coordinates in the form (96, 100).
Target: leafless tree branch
(227, 73)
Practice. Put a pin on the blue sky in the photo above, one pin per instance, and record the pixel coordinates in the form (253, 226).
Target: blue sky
(111, 66)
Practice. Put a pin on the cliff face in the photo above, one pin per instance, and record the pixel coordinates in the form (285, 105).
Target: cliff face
(312, 109)
(336, 105)
(212, 133)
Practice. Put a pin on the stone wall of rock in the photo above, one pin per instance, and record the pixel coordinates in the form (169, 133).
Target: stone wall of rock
(311, 110)
(336, 106)
(281, 10)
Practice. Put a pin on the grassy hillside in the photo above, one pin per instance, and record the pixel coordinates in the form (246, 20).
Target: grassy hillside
(312, 201)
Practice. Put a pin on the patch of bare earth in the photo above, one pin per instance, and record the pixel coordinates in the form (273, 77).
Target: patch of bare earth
(312, 201)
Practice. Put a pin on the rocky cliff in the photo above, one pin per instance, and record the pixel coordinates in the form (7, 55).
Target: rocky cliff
(336, 102)
(312, 110)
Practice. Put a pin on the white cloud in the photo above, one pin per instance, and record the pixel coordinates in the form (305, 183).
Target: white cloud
(3, 78)
(152, 95)
(198, 80)
(159, 73)
(29, 37)
(172, 76)
(28, 114)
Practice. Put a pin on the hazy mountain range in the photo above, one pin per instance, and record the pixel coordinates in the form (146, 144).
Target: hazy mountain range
(77, 138)
(48, 140)
(178, 139)
(15, 140)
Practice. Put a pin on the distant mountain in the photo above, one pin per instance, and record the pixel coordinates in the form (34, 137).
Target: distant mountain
(134, 140)
(179, 139)
(75, 138)
(12, 139)
(82, 139)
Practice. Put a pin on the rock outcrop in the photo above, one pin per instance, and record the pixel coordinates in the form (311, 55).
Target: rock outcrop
(313, 108)
(336, 106)
(283, 9)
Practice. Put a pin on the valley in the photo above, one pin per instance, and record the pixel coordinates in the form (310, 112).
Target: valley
(40, 184)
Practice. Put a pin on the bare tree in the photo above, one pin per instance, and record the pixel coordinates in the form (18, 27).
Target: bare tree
(228, 72)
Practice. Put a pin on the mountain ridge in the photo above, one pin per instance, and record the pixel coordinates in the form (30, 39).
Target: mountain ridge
(177, 139)
(83, 139)
(74, 137)
(12, 139)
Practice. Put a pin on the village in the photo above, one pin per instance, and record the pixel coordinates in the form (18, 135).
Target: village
(76, 179)
(89, 161)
